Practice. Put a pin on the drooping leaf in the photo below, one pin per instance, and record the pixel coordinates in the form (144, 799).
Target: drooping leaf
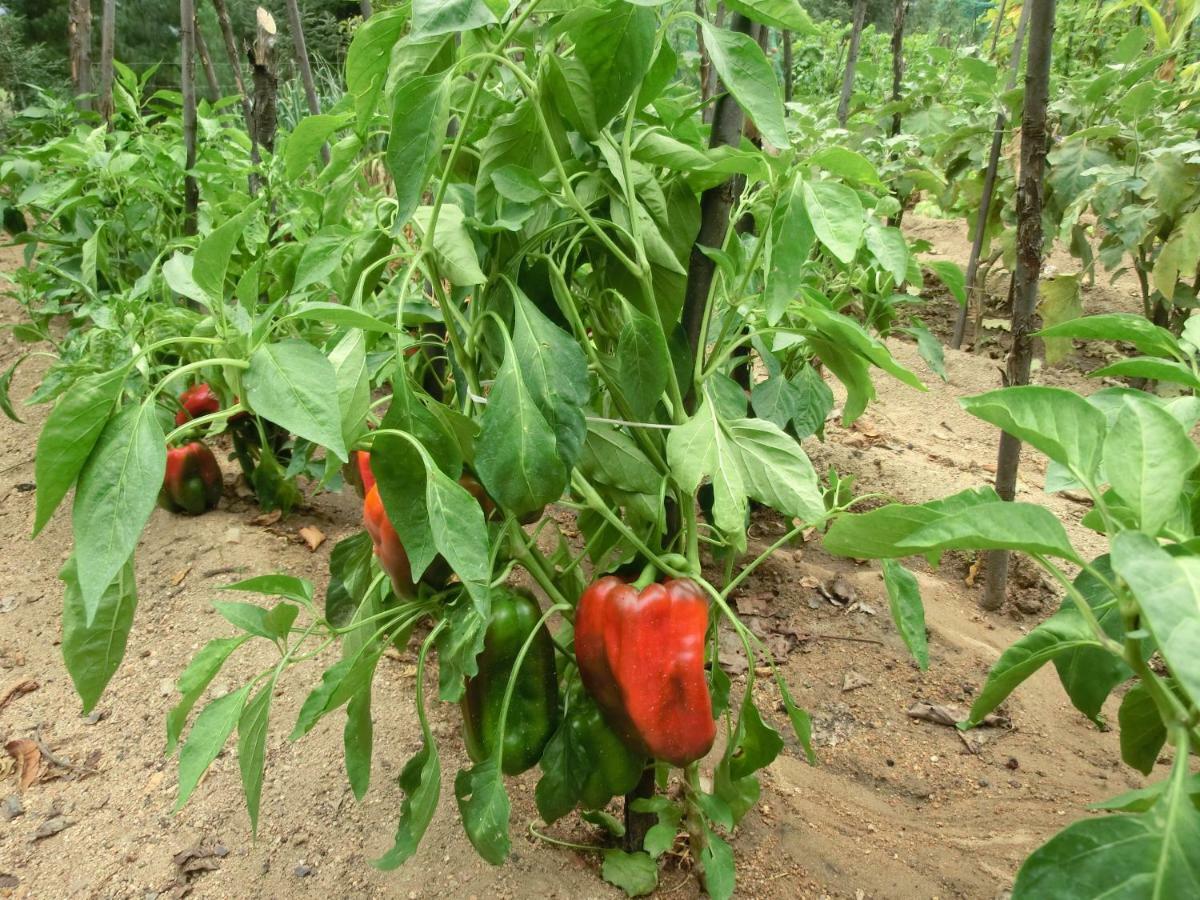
(420, 112)
(744, 70)
(93, 652)
(484, 806)
(206, 739)
(904, 598)
(252, 748)
(294, 385)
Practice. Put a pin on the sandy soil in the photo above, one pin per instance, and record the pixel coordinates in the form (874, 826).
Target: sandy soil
(897, 808)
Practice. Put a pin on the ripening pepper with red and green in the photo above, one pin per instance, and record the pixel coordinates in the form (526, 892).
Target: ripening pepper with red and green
(641, 657)
(533, 710)
(198, 400)
(192, 483)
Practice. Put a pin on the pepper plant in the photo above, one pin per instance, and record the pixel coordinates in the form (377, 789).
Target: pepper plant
(501, 331)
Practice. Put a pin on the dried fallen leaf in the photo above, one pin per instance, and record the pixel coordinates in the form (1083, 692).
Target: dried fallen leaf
(268, 518)
(28, 758)
(809, 582)
(51, 827)
(854, 681)
(973, 572)
(313, 536)
(177, 578)
(16, 690)
(950, 716)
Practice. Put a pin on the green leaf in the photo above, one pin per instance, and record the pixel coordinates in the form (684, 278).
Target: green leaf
(459, 532)
(68, 437)
(420, 114)
(716, 861)
(276, 585)
(1132, 328)
(458, 648)
(879, 533)
(294, 385)
(252, 748)
(516, 455)
(995, 526)
(929, 347)
(904, 598)
(1180, 255)
(349, 360)
(836, 213)
(1154, 369)
(367, 61)
(195, 678)
(485, 809)
(117, 491)
(453, 250)
(337, 314)
(1143, 799)
(1058, 422)
(890, 250)
(800, 719)
(1143, 733)
(306, 139)
(634, 873)
(755, 744)
(1167, 589)
(207, 737)
(616, 46)
(792, 240)
(1156, 854)
(211, 260)
(320, 258)
(271, 624)
(776, 470)
(555, 371)
(1147, 458)
(349, 576)
(847, 164)
(358, 738)
(952, 276)
(339, 683)
(642, 364)
(430, 17)
(1049, 640)
(785, 14)
(93, 652)
(6, 386)
(749, 77)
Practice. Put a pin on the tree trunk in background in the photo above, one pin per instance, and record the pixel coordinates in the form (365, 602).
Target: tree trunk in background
(1029, 259)
(897, 88)
(715, 206)
(79, 30)
(266, 83)
(210, 74)
(366, 9)
(860, 15)
(187, 76)
(974, 294)
(301, 48)
(108, 36)
(788, 80)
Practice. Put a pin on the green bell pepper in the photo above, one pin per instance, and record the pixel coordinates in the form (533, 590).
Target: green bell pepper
(613, 769)
(533, 711)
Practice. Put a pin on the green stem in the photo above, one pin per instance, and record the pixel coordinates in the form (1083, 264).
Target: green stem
(201, 421)
(193, 367)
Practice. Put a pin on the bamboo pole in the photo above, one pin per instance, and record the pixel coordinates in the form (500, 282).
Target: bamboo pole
(108, 34)
(206, 63)
(860, 16)
(235, 61)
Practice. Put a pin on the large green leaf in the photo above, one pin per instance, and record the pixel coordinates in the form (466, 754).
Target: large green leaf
(1128, 327)
(792, 240)
(211, 260)
(420, 113)
(880, 533)
(744, 70)
(1150, 367)
(615, 43)
(306, 139)
(837, 218)
(1147, 458)
(516, 456)
(430, 17)
(453, 250)
(367, 61)
(93, 651)
(995, 526)
(252, 748)
(1143, 733)
(485, 809)
(207, 737)
(117, 490)
(904, 599)
(294, 385)
(1054, 637)
(642, 364)
(68, 437)
(784, 14)
(1168, 591)
(1123, 857)
(1058, 422)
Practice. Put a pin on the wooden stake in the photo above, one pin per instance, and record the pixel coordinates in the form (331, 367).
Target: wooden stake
(79, 33)
(235, 61)
(1034, 147)
(301, 48)
(187, 69)
(210, 74)
(860, 16)
(108, 34)
(266, 83)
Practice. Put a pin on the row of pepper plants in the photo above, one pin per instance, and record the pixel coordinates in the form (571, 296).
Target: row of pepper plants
(502, 329)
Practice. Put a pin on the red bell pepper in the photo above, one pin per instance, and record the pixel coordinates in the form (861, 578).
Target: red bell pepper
(387, 544)
(198, 400)
(192, 483)
(641, 656)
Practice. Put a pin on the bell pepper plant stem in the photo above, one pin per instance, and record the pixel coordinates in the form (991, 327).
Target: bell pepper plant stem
(193, 367)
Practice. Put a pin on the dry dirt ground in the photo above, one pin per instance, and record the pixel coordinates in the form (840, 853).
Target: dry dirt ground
(897, 807)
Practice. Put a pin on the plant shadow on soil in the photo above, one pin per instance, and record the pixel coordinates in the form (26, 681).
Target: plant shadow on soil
(897, 807)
